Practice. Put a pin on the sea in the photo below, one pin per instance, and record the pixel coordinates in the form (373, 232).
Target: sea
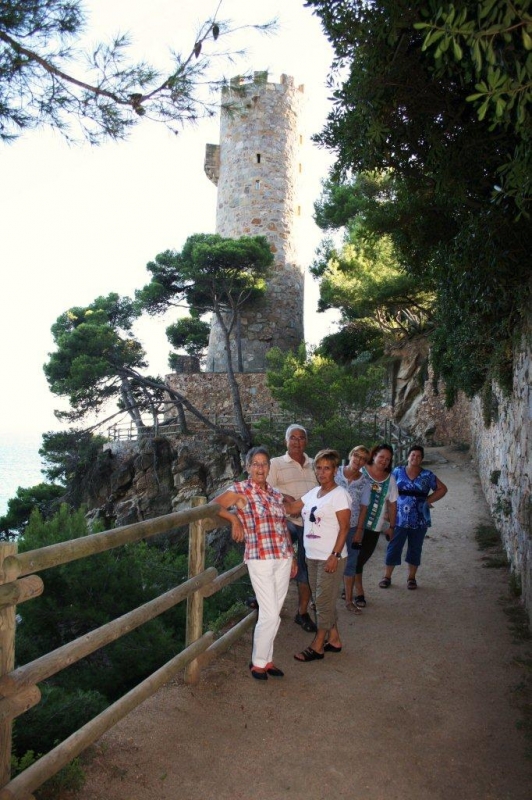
(20, 464)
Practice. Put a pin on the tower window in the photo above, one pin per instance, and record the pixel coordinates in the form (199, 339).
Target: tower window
(257, 184)
(258, 158)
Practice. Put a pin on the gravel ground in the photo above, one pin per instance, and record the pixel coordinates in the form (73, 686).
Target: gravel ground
(417, 706)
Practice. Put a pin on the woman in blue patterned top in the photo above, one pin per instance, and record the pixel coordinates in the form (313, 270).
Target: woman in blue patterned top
(418, 489)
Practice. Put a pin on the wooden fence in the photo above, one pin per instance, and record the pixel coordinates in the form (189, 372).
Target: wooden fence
(19, 583)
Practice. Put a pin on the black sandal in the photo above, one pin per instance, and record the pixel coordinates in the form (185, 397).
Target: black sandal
(306, 623)
(309, 655)
(360, 601)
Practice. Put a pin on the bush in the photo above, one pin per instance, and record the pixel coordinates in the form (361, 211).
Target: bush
(59, 714)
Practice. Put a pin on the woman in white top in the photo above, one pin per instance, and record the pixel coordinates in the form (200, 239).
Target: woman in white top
(326, 512)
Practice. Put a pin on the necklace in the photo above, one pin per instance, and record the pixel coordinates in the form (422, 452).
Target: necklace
(323, 491)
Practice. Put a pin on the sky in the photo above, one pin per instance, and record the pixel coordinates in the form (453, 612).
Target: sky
(77, 222)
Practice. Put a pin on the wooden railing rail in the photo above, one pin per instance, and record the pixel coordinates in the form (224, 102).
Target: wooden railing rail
(18, 687)
(47, 766)
(63, 657)
(15, 566)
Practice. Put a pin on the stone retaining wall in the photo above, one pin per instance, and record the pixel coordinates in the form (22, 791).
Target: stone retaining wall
(503, 452)
(210, 393)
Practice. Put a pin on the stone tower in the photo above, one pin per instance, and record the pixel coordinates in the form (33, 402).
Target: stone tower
(256, 168)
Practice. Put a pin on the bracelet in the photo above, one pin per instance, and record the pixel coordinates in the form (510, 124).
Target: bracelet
(335, 554)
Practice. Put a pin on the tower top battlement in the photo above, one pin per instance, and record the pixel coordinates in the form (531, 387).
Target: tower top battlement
(260, 79)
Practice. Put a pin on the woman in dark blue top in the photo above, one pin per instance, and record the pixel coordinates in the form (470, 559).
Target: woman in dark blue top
(418, 489)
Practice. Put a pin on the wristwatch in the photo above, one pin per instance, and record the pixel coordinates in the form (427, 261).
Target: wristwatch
(336, 555)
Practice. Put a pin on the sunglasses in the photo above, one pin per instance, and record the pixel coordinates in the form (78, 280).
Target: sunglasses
(311, 516)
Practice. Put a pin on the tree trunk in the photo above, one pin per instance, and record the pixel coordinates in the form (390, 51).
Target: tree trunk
(233, 385)
(239, 342)
(130, 404)
(242, 442)
(182, 419)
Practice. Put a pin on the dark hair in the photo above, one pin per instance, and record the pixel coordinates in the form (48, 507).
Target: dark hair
(377, 449)
(256, 451)
(328, 455)
(416, 447)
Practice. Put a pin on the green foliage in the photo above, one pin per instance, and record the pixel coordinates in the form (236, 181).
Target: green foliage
(400, 114)
(480, 305)
(365, 281)
(337, 402)
(490, 45)
(355, 343)
(46, 80)
(218, 275)
(94, 591)
(487, 537)
(94, 348)
(228, 603)
(73, 458)
(210, 273)
(190, 334)
(68, 779)
(43, 497)
(380, 301)
(59, 713)
(82, 595)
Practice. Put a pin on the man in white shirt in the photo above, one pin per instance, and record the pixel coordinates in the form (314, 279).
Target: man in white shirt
(293, 474)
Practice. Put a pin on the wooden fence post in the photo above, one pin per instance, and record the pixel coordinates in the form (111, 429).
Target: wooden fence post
(196, 564)
(7, 663)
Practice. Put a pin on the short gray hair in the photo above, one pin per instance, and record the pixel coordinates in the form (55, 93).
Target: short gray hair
(292, 428)
(255, 451)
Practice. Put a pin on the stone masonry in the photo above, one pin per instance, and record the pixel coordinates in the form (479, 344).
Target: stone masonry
(256, 168)
(503, 452)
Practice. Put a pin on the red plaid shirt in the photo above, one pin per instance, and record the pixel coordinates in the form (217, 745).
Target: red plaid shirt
(264, 522)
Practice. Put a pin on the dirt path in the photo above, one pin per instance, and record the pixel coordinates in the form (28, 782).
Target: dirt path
(418, 706)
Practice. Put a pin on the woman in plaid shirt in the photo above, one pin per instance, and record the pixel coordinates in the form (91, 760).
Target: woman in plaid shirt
(259, 520)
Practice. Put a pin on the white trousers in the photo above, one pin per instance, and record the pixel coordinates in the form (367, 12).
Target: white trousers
(270, 578)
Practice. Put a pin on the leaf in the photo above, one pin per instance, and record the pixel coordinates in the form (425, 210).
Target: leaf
(500, 106)
(483, 109)
(431, 39)
(485, 8)
(477, 57)
(527, 39)
(457, 50)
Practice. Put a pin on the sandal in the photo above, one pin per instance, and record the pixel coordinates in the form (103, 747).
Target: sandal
(332, 648)
(354, 609)
(309, 655)
(360, 601)
(411, 583)
(385, 583)
(306, 623)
